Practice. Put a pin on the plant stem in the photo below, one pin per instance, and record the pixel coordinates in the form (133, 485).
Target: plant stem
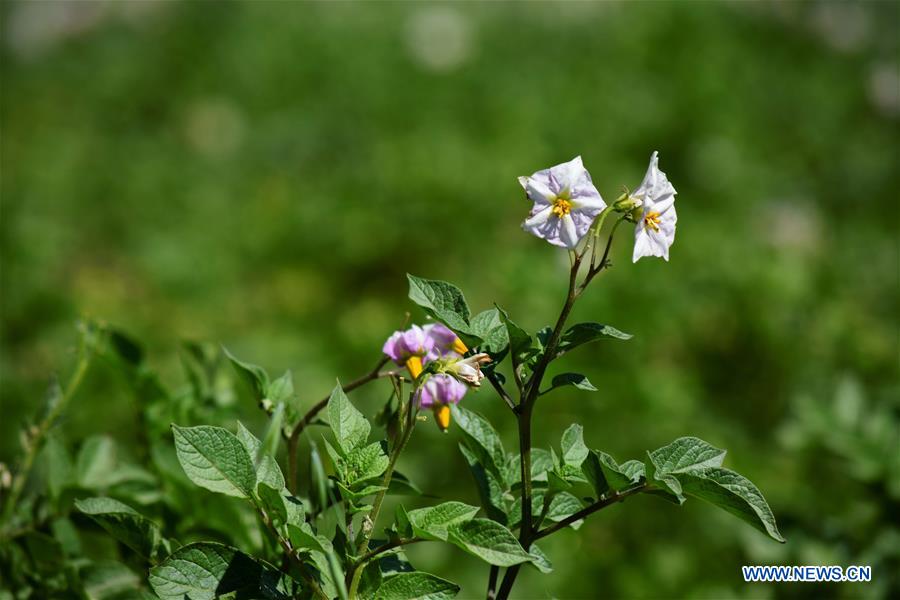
(405, 433)
(492, 582)
(600, 504)
(294, 438)
(40, 434)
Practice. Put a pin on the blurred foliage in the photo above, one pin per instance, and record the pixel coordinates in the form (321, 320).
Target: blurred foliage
(262, 175)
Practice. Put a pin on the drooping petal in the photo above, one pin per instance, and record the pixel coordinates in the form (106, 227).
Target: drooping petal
(655, 185)
(537, 188)
(654, 234)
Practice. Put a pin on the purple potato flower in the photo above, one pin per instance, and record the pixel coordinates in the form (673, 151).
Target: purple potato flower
(565, 203)
(446, 343)
(405, 344)
(441, 389)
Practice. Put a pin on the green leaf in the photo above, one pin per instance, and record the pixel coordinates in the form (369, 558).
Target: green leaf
(60, 471)
(282, 389)
(125, 524)
(214, 458)
(686, 454)
(207, 570)
(365, 463)
(350, 427)
(575, 379)
(272, 436)
(572, 444)
(254, 376)
(734, 493)
(432, 523)
(402, 486)
(443, 301)
(490, 489)
(488, 326)
(519, 339)
(481, 439)
(96, 463)
(416, 585)
(303, 538)
(109, 580)
(273, 502)
(604, 473)
(369, 581)
(584, 333)
(563, 506)
(488, 540)
(267, 469)
(539, 560)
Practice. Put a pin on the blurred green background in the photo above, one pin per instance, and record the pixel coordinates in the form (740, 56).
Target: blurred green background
(262, 176)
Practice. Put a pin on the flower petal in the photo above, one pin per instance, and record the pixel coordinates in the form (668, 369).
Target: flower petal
(568, 232)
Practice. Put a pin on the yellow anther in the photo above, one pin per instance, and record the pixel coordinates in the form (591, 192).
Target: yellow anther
(561, 207)
(414, 364)
(459, 347)
(442, 416)
(651, 220)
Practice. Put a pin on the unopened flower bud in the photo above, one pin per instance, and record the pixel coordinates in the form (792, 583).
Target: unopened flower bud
(626, 203)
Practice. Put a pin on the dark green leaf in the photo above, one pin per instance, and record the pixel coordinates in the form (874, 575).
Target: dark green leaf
(519, 339)
(490, 489)
(539, 560)
(207, 570)
(482, 440)
(488, 326)
(402, 486)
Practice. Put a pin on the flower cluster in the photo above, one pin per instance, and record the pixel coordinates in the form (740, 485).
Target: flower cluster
(449, 375)
(566, 204)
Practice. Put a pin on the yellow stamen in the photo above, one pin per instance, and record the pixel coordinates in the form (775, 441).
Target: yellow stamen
(414, 364)
(442, 416)
(459, 347)
(651, 220)
(561, 207)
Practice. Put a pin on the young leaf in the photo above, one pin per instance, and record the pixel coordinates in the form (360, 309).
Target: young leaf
(402, 486)
(562, 506)
(416, 585)
(575, 379)
(365, 463)
(254, 376)
(572, 444)
(604, 473)
(350, 427)
(124, 524)
(282, 389)
(215, 459)
(58, 466)
(207, 570)
(267, 469)
(444, 302)
(734, 493)
(488, 540)
(272, 435)
(432, 523)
